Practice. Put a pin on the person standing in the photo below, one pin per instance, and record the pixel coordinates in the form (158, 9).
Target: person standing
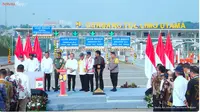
(192, 94)
(99, 60)
(3, 95)
(23, 87)
(21, 61)
(58, 63)
(179, 91)
(9, 89)
(90, 71)
(71, 66)
(114, 70)
(186, 69)
(47, 68)
(82, 73)
(32, 64)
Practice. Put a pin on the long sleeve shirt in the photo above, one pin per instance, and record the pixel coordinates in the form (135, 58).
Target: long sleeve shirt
(32, 65)
(113, 65)
(47, 65)
(89, 65)
(23, 84)
(99, 61)
(73, 64)
(179, 91)
(81, 67)
(24, 63)
(2, 95)
(192, 94)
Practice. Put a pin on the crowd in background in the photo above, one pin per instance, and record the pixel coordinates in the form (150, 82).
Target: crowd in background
(176, 90)
(14, 90)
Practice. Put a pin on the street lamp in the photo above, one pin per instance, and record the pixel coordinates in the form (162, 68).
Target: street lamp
(8, 4)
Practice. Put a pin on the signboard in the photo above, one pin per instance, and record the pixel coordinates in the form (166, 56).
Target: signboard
(69, 41)
(94, 41)
(42, 30)
(123, 41)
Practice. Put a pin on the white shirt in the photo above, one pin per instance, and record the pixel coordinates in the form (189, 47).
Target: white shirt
(81, 67)
(89, 65)
(23, 83)
(73, 64)
(47, 65)
(32, 65)
(24, 63)
(179, 91)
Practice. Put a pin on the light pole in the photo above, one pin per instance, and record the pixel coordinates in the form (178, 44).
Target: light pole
(8, 4)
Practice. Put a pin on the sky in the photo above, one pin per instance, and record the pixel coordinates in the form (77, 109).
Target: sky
(70, 11)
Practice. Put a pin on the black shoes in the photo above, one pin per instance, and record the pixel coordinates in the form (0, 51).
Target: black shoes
(81, 90)
(114, 90)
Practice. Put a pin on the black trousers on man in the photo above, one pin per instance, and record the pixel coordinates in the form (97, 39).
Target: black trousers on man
(56, 79)
(47, 79)
(84, 82)
(73, 78)
(100, 75)
(114, 79)
(90, 82)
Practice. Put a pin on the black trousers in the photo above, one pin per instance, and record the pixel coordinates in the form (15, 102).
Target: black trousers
(90, 82)
(47, 79)
(84, 82)
(100, 76)
(56, 79)
(114, 79)
(73, 78)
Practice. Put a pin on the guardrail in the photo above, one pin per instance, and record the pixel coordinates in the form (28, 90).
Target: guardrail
(2, 65)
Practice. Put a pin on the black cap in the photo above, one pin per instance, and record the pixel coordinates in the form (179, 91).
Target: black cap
(88, 53)
(179, 69)
(81, 55)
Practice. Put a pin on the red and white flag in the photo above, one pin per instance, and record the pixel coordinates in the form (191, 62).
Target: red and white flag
(37, 49)
(28, 47)
(169, 54)
(160, 52)
(18, 49)
(149, 60)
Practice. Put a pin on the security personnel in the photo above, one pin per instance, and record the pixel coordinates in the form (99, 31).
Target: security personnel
(58, 63)
(114, 70)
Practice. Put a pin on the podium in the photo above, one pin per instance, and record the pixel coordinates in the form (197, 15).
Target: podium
(98, 91)
(62, 78)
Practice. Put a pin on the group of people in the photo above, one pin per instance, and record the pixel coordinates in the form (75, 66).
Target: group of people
(15, 90)
(85, 67)
(176, 90)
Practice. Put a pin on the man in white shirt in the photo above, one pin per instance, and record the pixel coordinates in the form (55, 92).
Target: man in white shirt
(179, 91)
(47, 68)
(32, 64)
(23, 87)
(71, 66)
(21, 61)
(82, 73)
(90, 71)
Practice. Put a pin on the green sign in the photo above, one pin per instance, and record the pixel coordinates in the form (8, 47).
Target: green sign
(56, 33)
(111, 33)
(75, 33)
(92, 33)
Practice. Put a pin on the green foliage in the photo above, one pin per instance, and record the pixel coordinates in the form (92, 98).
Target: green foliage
(149, 100)
(133, 85)
(5, 44)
